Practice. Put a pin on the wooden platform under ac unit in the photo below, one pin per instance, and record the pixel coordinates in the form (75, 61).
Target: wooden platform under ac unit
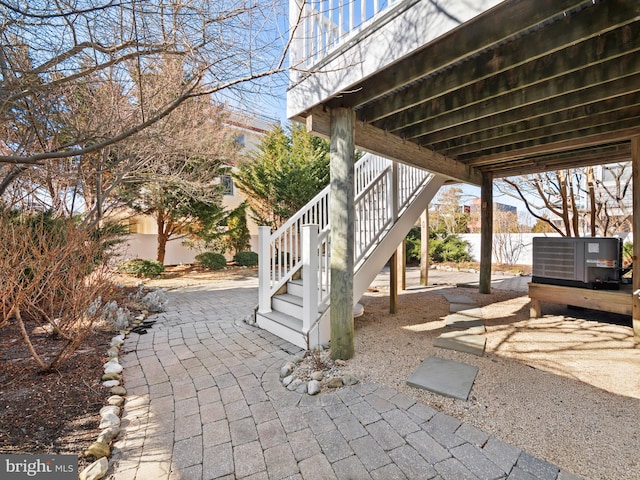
(615, 301)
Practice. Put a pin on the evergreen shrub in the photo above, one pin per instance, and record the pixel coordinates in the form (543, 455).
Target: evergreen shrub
(142, 268)
(211, 260)
(246, 259)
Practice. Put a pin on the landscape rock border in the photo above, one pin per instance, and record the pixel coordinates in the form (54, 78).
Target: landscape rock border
(313, 372)
(112, 379)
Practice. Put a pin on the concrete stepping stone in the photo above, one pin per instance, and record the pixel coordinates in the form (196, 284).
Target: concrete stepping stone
(458, 298)
(444, 377)
(462, 322)
(467, 310)
(462, 341)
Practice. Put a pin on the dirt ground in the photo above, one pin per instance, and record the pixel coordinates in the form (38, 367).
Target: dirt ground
(54, 413)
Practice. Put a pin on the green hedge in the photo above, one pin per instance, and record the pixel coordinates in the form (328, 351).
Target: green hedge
(211, 260)
(246, 259)
(443, 247)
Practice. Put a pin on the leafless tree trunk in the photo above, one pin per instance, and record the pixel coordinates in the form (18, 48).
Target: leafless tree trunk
(555, 196)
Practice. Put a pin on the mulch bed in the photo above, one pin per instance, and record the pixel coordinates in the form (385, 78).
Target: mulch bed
(50, 413)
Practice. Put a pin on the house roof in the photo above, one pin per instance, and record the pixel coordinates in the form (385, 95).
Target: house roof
(527, 86)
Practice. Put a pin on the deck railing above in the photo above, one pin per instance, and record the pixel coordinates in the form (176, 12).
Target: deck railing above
(319, 27)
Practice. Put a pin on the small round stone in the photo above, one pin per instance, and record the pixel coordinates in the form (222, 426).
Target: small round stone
(97, 450)
(118, 391)
(313, 387)
(116, 400)
(335, 383)
(295, 384)
(287, 380)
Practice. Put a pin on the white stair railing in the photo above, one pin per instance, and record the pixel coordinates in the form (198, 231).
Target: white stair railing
(383, 190)
(280, 252)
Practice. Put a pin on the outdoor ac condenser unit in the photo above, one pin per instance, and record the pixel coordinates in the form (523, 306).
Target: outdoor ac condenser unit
(578, 262)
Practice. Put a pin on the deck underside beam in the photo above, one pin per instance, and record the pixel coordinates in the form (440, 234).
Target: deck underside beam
(378, 142)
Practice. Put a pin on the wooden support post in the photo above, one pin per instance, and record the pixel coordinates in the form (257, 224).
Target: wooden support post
(342, 216)
(486, 232)
(401, 258)
(424, 248)
(535, 309)
(393, 283)
(635, 163)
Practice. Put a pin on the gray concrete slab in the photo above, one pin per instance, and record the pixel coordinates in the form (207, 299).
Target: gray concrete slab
(459, 298)
(462, 342)
(445, 377)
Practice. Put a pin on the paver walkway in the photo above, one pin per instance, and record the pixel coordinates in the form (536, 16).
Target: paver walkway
(204, 401)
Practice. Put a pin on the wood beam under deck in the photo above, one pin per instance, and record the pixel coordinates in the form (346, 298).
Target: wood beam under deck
(528, 151)
(424, 247)
(489, 29)
(494, 138)
(519, 92)
(526, 60)
(509, 111)
(393, 283)
(614, 153)
(376, 141)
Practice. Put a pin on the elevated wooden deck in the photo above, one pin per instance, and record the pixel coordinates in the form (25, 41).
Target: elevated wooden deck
(615, 301)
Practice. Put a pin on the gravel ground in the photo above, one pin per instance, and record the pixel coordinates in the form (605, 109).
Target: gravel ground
(565, 387)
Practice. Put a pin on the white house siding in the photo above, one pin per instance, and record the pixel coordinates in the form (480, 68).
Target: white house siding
(144, 246)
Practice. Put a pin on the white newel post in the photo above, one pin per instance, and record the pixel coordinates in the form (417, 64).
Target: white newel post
(264, 269)
(310, 265)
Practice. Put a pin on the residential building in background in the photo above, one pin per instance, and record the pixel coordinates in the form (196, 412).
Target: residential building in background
(143, 234)
(474, 224)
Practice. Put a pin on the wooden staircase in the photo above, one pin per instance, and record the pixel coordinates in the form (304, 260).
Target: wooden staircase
(294, 265)
(285, 317)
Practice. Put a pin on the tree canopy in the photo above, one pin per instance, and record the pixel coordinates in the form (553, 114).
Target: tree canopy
(78, 79)
(576, 202)
(290, 168)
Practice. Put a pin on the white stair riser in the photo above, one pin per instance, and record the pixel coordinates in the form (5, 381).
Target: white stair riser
(286, 307)
(297, 338)
(295, 289)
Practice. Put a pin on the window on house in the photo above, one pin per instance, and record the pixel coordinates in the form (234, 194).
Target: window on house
(134, 226)
(227, 184)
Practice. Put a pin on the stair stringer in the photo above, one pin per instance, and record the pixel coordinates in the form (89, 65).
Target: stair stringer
(372, 265)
